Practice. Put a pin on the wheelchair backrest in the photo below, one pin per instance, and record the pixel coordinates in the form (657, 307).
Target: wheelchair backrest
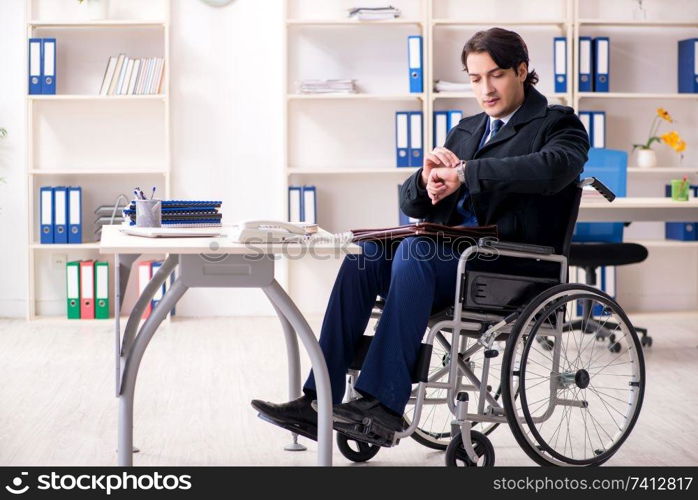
(610, 167)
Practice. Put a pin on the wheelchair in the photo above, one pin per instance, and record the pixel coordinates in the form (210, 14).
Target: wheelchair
(519, 350)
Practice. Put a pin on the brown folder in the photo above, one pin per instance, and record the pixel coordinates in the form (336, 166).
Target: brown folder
(448, 233)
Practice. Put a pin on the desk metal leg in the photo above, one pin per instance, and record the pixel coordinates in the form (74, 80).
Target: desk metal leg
(122, 271)
(145, 298)
(294, 371)
(283, 303)
(132, 362)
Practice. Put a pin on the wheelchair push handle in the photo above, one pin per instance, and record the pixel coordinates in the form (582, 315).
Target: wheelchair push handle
(599, 186)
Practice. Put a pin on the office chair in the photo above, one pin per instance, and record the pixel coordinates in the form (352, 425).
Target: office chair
(597, 244)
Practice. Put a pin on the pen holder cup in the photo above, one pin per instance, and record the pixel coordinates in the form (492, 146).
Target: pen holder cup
(148, 213)
(679, 190)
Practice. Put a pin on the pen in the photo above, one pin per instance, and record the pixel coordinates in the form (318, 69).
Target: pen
(153, 193)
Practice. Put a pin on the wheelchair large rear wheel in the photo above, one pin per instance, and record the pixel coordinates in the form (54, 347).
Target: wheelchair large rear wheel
(578, 402)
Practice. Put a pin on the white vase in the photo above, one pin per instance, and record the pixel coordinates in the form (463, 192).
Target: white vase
(95, 10)
(646, 158)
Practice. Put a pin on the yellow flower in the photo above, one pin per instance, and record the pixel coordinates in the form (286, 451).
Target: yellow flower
(664, 115)
(671, 138)
(680, 146)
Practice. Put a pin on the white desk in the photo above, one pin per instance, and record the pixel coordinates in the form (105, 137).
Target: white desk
(211, 262)
(638, 209)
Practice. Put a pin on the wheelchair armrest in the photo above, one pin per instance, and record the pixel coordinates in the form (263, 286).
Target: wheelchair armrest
(599, 186)
(515, 247)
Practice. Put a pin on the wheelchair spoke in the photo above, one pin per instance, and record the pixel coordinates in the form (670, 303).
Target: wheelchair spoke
(607, 405)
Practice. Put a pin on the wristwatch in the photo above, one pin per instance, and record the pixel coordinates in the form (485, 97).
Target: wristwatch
(460, 171)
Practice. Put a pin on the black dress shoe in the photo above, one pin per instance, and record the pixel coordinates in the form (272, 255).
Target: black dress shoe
(296, 416)
(359, 411)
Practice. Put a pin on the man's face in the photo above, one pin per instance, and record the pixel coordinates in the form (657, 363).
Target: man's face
(498, 91)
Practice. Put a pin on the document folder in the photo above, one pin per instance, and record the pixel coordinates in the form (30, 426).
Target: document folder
(295, 204)
(309, 204)
(585, 83)
(144, 276)
(585, 118)
(416, 139)
(74, 215)
(101, 290)
(48, 85)
(688, 66)
(598, 129)
(402, 138)
(154, 267)
(46, 215)
(414, 50)
(440, 128)
(73, 289)
(60, 215)
(35, 76)
(601, 64)
(560, 58)
(451, 233)
(454, 118)
(87, 289)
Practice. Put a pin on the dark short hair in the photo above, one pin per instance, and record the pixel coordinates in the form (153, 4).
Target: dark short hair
(506, 48)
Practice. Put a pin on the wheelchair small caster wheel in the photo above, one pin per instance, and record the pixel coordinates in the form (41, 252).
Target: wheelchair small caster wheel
(356, 451)
(457, 457)
(614, 347)
(646, 341)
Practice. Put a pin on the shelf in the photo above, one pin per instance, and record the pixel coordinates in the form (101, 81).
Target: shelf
(61, 246)
(86, 97)
(471, 95)
(663, 170)
(340, 96)
(112, 23)
(635, 95)
(351, 171)
(666, 243)
(497, 22)
(349, 22)
(121, 171)
(639, 24)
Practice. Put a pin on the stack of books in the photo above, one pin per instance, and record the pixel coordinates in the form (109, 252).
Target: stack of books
(128, 76)
(327, 87)
(374, 13)
(183, 213)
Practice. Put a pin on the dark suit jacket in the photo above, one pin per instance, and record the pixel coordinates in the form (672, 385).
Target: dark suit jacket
(523, 180)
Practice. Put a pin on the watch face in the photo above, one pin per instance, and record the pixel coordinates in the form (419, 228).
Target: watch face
(217, 3)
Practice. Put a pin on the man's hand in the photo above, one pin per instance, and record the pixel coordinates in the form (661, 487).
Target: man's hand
(442, 182)
(439, 157)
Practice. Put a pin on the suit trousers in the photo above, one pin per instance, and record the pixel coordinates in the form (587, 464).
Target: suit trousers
(415, 276)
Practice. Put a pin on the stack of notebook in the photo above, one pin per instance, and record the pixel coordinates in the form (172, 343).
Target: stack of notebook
(183, 213)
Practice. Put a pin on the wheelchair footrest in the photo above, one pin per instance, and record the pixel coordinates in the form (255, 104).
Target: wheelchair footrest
(368, 432)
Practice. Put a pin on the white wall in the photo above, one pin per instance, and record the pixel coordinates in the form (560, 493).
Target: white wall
(13, 223)
(227, 96)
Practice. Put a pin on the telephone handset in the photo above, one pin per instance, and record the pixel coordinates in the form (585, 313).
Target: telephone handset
(269, 231)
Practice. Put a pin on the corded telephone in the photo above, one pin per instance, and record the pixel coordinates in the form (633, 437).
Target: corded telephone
(269, 231)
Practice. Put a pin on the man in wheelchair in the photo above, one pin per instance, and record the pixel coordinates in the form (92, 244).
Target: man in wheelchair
(515, 165)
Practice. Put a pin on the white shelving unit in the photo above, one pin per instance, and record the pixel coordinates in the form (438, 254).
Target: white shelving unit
(69, 141)
(357, 184)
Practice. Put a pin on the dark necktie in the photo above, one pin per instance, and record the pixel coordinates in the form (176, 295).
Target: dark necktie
(496, 125)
